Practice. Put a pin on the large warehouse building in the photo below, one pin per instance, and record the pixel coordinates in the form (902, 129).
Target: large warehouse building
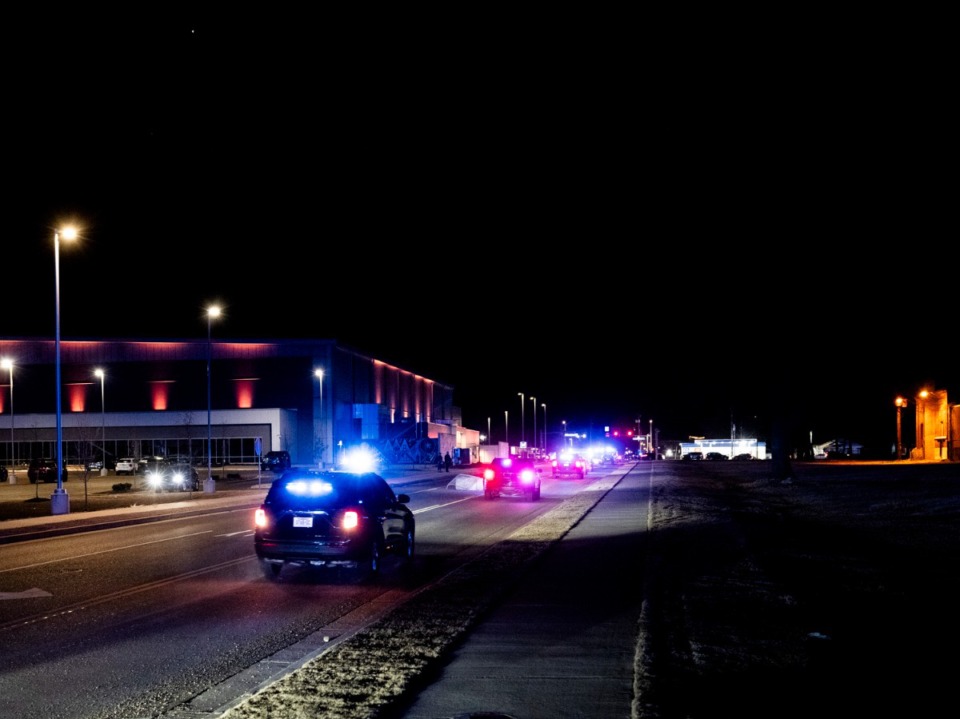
(312, 398)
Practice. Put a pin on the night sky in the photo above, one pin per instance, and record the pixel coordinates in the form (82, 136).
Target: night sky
(623, 217)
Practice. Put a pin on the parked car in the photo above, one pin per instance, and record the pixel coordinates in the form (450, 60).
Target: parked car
(126, 465)
(332, 519)
(692, 456)
(511, 476)
(277, 461)
(742, 457)
(716, 456)
(568, 463)
(43, 469)
(167, 476)
(145, 463)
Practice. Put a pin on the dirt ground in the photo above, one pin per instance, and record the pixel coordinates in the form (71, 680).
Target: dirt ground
(831, 593)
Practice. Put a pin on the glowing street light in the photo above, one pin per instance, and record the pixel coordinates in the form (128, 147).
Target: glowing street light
(59, 500)
(506, 428)
(901, 403)
(922, 424)
(318, 373)
(545, 448)
(103, 423)
(7, 364)
(210, 484)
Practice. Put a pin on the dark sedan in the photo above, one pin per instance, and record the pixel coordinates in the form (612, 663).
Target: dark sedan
(568, 463)
(511, 476)
(43, 469)
(332, 519)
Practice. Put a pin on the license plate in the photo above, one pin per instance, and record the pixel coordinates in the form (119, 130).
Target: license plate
(303, 521)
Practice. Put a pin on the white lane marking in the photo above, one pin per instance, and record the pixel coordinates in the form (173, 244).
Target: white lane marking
(25, 594)
(438, 506)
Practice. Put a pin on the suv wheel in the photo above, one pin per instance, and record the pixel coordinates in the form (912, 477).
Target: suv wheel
(376, 551)
(409, 548)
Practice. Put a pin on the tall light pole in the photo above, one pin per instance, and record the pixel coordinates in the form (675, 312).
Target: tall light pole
(922, 416)
(651, 443)
(59, 500)
(506, 428)
(522, 423)
(534, 400)
(489, 436)
(318, 373)
(7, 364)
(546, 449)
(103, 423)
(210, 484)
(900, 402)
(563, 440)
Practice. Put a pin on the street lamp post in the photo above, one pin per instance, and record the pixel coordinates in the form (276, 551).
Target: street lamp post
(534, 400)
(522, 423)
(545, 448)
(921, 424)
(318, 373)
(103, 423)
(901, 403)
(563, 439)
(59, 500)
(506, 428)
(650, 442)
(210, 484)
(489, 436)
(7, 364)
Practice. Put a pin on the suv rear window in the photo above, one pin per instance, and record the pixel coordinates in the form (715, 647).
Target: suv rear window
(327, 491)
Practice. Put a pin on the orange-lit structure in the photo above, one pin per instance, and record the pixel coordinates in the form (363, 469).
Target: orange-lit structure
(938, 426)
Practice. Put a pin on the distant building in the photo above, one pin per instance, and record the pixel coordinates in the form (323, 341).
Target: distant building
(729, 447)
(155, 401)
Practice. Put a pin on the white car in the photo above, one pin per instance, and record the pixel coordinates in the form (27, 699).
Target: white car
(126, 465)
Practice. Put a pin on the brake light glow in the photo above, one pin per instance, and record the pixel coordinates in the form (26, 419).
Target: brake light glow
(260, 518)
(489, 474)
(351, 519)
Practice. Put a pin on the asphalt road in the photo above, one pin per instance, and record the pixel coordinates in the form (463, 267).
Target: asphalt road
(732, 592)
